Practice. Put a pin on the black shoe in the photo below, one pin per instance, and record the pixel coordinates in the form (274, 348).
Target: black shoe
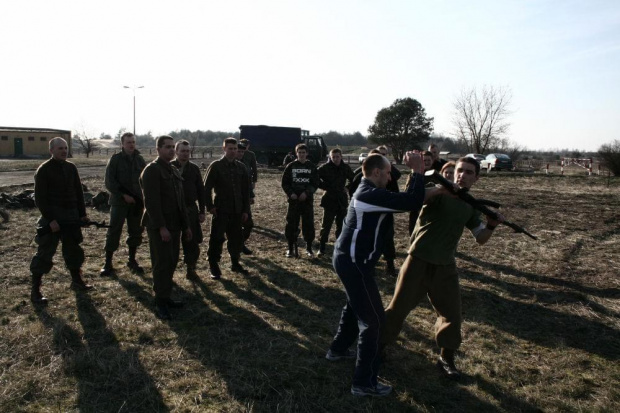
(170, 303)
(162, 312)
(390, 269)
(292, 251)
(379, 390)
(236, 267)
(448, 368)
(321, 250)
(216, 273)
(135, 267)
(246, 250)
(191, 274)
(309, 251)
(78, 283)
(107, 271)
(37, 298)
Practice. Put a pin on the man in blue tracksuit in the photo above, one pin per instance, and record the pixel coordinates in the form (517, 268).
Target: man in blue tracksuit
(356, 252)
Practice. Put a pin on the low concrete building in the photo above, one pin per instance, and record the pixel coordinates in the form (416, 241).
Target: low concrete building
(29, 142)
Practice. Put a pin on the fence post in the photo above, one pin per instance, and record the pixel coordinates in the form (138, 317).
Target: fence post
(562, 168)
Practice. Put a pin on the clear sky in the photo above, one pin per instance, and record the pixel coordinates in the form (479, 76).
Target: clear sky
(321, 65)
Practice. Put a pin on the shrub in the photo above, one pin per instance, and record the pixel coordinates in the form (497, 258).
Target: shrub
(610, 156)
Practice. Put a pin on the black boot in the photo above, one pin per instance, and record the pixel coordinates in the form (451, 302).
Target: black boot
(191, 272)
(108, 270)
(309, 251)
(77, 282)
(292, 250)
(446, 364)
(321, 249)
(236, 267)
(214, 268)
(35, 294)
(132, 264)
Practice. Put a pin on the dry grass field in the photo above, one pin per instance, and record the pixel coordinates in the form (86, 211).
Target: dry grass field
(541, 329)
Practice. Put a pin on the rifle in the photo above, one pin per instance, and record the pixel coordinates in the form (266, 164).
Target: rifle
(139, 203)
(479, 204)
(78, 223)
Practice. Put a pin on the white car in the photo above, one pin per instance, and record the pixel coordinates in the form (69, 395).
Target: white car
(476, 156)
(362, 157)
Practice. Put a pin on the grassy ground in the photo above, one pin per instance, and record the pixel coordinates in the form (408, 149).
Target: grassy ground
(541, 331)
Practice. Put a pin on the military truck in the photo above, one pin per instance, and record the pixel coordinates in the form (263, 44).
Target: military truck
(272, 143)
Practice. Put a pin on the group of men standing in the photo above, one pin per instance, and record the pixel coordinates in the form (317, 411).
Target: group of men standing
(168, 197)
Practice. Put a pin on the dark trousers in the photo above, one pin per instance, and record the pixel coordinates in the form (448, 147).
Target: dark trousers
(225, 225)
(118, 215)
(328, 219)
(389, 253)
(247, 227)
(362, 318)
(303, 211)
(47, 245)
(164, 259)
(191, 248)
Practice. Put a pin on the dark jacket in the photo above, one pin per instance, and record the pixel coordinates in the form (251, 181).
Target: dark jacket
(392, 186)
(57, 184)
(332, 179)
(193, 188)
(122, 176)
(164, 202)
(231, 183)
(249, 160)
(300, 177)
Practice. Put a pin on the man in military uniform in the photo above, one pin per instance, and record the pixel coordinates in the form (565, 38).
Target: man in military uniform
(229, 179)
(249, 159)
(333, 177)
(165, 216)
(300, 181)
(438, 163)
(58, 195)
(194, 190)
(249, 224)
(122, 180)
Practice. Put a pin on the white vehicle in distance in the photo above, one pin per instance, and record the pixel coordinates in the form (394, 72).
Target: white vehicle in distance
(476, 156)
(362, 157)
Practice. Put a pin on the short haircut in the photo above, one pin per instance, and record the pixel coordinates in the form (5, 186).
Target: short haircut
(427, 153)
(54, 142)
(447, 165)
(336, 150)
(382, 147)
(161, 139)
(229, 141)
(374, 151)
(374, 161)
(179, 143)
(470, 160)
(244, 141)
(301, 146)
(126, 135)
(241, 145)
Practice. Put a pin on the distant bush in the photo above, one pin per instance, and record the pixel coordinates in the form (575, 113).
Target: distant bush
(610, 156)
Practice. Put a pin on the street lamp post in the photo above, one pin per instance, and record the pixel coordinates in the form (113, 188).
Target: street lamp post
(134, 104)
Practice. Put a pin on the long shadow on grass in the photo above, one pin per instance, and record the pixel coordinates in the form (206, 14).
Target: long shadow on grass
(557, 282)
(109, 379)
(539, 324)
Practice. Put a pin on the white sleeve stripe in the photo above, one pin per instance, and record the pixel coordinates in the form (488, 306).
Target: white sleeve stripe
(478, 229)
(366, 207)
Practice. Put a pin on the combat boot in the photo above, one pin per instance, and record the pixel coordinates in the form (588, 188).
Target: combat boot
(132, 264)
(191, 273)
(236, 267)
(292, 250)
(108, 270)
(77, 282)
(35, 294)
(309, 251)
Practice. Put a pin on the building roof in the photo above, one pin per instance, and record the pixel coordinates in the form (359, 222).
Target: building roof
(13, 129)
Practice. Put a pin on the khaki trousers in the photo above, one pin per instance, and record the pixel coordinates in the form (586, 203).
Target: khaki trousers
(441, 283)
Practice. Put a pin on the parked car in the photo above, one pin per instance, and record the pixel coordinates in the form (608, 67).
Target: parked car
(477, 156)
(362, 157)
(497, 161)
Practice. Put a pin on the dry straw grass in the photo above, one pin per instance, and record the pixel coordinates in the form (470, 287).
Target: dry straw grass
(541, 329)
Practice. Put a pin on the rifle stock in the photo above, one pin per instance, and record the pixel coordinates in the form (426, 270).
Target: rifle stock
(480, 205)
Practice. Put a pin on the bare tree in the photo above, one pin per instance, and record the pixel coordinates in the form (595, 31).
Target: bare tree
(610, 156)
(85, 140)
(480, 117)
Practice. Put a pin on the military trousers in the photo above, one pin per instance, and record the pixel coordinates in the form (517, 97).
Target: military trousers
(225, 226)
(418, 278)
(297, 211)
(329, 214)
(164, 259)
(247, 227)
(191, 248)
(69, 235)
(131, 213)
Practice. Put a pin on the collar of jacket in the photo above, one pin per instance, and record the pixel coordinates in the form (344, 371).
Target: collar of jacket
(135, 152)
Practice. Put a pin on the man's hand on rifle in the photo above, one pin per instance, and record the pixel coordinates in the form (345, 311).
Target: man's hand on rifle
(495, 222)
(129, 199)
